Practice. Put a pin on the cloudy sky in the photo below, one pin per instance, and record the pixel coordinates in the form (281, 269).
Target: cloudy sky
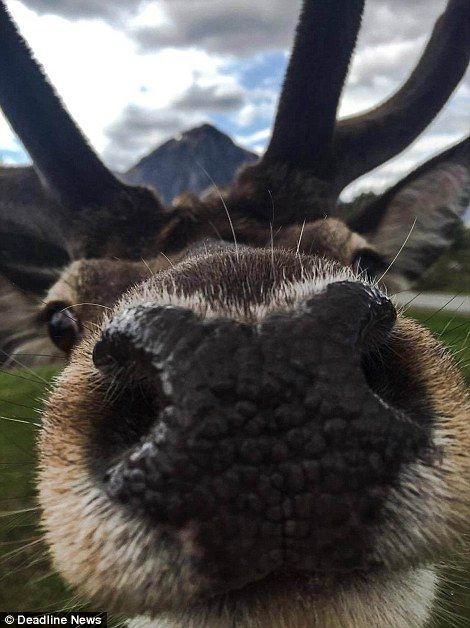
(136, 72)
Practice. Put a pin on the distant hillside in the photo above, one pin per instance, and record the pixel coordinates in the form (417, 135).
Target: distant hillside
(178, 165)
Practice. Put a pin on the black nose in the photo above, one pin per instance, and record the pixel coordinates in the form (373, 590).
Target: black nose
(350, 312)
(271, 453)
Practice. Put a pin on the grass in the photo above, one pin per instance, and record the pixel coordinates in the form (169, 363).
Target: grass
(453, 607)
(451, 272)
(27, 581)
(453, 331)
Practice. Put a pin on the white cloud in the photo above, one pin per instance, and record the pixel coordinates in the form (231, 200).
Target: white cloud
(255, 142)
(133, 73)
(91, 65)
(101, 77)
(210, 98)
(86, 9)
(240, 27)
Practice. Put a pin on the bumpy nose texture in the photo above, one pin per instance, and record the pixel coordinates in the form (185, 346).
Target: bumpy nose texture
(353, 311)
(272, 453)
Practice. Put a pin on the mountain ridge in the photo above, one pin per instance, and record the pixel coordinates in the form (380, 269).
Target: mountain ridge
(191, 162)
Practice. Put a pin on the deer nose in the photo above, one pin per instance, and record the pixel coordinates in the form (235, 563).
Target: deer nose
(271, 452)
(150, 335)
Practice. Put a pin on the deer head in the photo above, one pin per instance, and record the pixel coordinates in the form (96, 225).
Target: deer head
(247, 431)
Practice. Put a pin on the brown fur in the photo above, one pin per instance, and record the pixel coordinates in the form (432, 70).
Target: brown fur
(280, 238)
(427, 514)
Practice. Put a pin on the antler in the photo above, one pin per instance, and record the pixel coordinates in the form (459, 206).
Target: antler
(309, 161)
(114, 218)
(367, 140)
(305, 120)
(456, 157)
(57, 147)
(295, 173)
(421, 210)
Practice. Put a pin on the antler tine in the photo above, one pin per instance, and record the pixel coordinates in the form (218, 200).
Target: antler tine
(365, 141)
(305, 120)
(458, 155)
(57, 147)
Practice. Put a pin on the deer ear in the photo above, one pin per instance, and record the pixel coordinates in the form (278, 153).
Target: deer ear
(31, 243)
(414, 221)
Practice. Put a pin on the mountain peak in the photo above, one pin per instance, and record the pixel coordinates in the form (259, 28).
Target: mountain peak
(205, 129)
(189, 162)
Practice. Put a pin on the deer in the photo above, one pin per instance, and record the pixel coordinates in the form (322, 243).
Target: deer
(248, 431)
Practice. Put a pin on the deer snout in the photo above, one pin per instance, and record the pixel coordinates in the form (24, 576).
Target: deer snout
(269, 452)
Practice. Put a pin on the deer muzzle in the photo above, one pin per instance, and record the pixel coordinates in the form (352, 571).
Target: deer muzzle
(270, 452)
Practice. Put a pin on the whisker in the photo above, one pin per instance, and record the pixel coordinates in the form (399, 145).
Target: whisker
(447, 325)
(20, 420)
(43, 577)
(443, 307)
(69, 284)
(457, 351)
(217, 232)
(74, 603)
(398, 254)
(25, 292)
(445, 614)
(272, 248)
(26, 564)
(27, 379)
(271, 232)
(145, 263)
(225, 207)
(17, 497)
(17, 551)
(458, 326)
(105, 307)
(407, 305)
(272, 205)
(465, 340)
(14, 444)
(10, 513)
(20, 405)
(26, 368)
(297, 251)
(42, 355)
(167, 259)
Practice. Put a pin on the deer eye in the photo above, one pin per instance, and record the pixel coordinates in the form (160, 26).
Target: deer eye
(63, 326)
(368, 263)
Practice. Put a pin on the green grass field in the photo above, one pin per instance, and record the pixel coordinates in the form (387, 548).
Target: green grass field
(27, 581)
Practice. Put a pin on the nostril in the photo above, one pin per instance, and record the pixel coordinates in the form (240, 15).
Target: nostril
(381, 318)
(300, 473)
(101, 357)
(144, 335)
(110, 354)
(361, 308)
